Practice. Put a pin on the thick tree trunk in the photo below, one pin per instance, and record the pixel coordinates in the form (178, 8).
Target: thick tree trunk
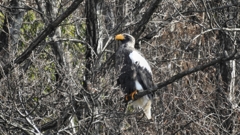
(91, 37)
(9, 36)
(224, 108)
(51, 9)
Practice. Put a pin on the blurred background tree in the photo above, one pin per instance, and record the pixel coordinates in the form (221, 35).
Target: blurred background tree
(57, 66)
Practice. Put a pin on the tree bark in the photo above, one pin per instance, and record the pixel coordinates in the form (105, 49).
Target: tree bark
(35, 43)
(51, 10)
(92, 39)
(9, 36)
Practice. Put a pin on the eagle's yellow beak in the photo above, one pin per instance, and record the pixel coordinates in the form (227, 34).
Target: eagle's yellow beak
(119, 37)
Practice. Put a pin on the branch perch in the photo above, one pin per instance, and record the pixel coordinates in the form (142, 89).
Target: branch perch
(185, 73)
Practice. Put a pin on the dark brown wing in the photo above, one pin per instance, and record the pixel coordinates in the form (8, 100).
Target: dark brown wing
(133, 68)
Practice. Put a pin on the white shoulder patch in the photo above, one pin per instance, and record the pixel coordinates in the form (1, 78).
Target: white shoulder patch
(138, 86)
(137, 58)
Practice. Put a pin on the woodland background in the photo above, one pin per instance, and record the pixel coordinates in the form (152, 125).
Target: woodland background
(57, 66)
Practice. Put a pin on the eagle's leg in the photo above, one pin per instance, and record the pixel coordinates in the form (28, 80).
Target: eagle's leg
(133, 93)
(131, 96)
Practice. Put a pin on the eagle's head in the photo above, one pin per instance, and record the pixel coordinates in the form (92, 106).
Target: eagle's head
(126, 39)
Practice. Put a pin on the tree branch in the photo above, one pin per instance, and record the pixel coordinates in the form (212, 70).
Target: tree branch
(145, 19)
(210, 30)
(9, 66)
(187, 72)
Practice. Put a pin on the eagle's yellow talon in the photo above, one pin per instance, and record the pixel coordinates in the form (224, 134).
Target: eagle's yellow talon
(133, 93)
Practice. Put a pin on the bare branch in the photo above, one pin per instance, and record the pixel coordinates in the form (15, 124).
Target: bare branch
(16, 124)
(145, 19)
(8, 67)
(209, 30)
(185, 73)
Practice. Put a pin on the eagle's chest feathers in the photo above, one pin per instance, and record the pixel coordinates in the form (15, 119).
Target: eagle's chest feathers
(139, 60)
(133, 57)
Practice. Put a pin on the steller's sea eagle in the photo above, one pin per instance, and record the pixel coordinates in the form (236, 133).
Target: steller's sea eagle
(135, 73)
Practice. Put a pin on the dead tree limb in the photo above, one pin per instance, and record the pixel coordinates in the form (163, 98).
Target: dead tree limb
(187, 72)
(35, 43)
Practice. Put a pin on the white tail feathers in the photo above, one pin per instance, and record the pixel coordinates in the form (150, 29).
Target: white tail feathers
(145, 104)
(147, 109)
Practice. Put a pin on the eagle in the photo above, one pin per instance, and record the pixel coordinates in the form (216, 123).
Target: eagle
(135, 73)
